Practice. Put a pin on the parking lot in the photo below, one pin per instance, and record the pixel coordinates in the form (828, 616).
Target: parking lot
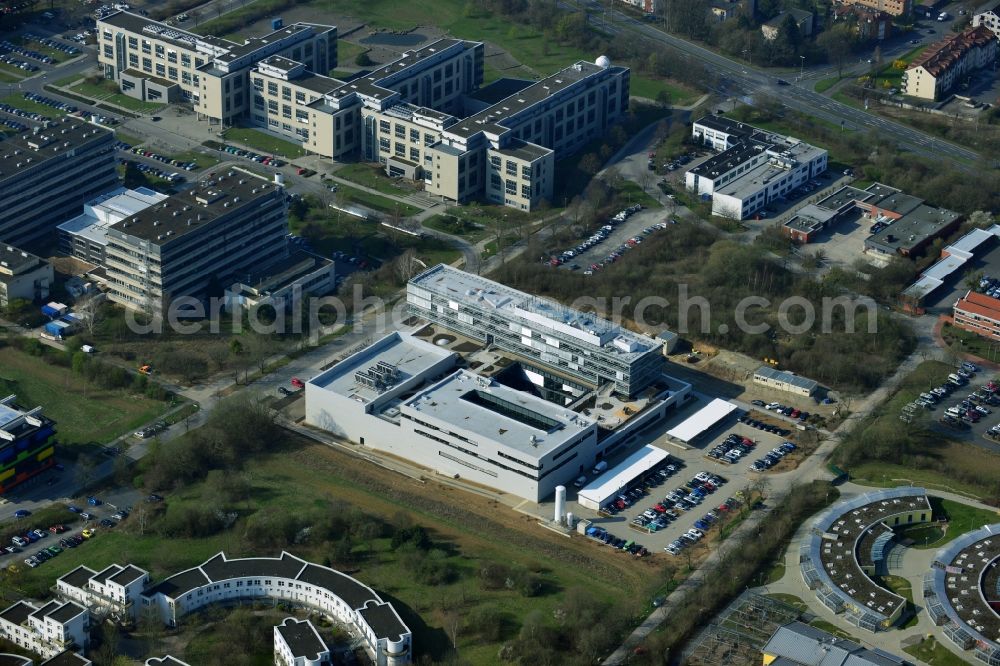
(736, 476)
(966, 409)
(613, 240)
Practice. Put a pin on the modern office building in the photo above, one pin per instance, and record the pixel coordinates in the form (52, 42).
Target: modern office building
(962, 593)
(556, 341)
(197, 242)
(297, 643)
(86, 235)
(156, 62)
(23, 276)
(282, 283)
(988, 16)
(753, 169)
(416, 115)
(842, 556)
(941, 66)
(49, 629)
(403, 395)
(25, 446)
(46, 174)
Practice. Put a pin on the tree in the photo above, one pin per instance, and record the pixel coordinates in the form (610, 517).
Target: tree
(363, 59)
(590, 164)
(980, 219)
(838, 43)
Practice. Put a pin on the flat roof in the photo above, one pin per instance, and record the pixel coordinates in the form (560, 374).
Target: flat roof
(374, 84)
(18, 612)
(111, 207)
(703, 420)
(914, 228)
(78, 577)
(383, 620)
(785, 376)
(128, 575)
(800, 643)
(519, 420)
(725, 124)
(523, 150)
(847, 195)
(479, 292)
(301, 638)
(16, 260)
(67, 659)
(493, 117)
(14, 660)
(146, 26)
(210, 199)
(410, 356)
(809, 218)
(56, 141)
(66, 612)
(967, 582)
(840, 533)
(952, 259)
(609, 483)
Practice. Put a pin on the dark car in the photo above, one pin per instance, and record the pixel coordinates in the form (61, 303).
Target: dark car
(782, 82)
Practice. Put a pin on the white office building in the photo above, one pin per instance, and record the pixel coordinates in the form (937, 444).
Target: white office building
(557, 343)
(753, 167)
(86, 235)
(403, 396)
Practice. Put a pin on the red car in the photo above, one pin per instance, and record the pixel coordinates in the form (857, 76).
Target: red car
(57, 529)
(300, 170)
(795, 413)
(298, 383)
(659, 508)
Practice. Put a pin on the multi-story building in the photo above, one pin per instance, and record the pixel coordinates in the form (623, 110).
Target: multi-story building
(297, 643)
(804, 21)
(979, 314)
(46, 174)
(868, 23)
(86, 235)
(410, 115)
(23, 276)
(936, 71)
(48, 630)
(988, 16)
(753, 169)
(648, 6)
(894, 7)
(156, 62)
(25, 446)
(546, 334)
(111, 592)
(197, 242)
(286, 579)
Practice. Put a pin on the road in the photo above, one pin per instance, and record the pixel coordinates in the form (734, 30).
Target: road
(743, 79)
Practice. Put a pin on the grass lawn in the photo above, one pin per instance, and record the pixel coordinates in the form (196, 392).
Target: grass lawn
(650, 88)
(900, 586)
(830, 628)
(632, 193)
(56, 55)
(889, 475)
(348, 51)
(9, 74)
(18, 101)
(262, 142)
(83, 414)
(965, 342)
(825, 84)
(456, 226)
(962, 518)
(372, 176)
(341, 74)
(107, 91)
(924, 537)
(375, 202)
(65, 81)
(931, 652)
(307, 478)
(894, 76)
(789, 599)
(128, 138)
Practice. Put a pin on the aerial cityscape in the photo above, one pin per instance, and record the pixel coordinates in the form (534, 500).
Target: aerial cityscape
(650, 332)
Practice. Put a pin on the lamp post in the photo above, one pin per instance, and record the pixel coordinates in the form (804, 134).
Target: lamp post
(802, 66)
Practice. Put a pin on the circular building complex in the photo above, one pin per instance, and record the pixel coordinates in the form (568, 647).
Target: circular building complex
(845, 553)
(962, 592)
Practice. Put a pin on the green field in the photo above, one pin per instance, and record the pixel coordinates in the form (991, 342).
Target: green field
(962, 518)
(347, 52)
(18, 101)
(107, 91)
(67, 80)
(263, 142)
(831, 628)
(651, 88)
(375, 202)
(9, 74)
(305, 484)
(632, 193)
(929, 651)
(128, 138)
(83, 414)
(201, 159)
(825, 84)
(372, 176)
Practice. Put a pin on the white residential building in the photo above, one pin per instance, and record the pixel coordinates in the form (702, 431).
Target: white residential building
(988, 15)
(297, 643)
(49, 629)
(753, 169)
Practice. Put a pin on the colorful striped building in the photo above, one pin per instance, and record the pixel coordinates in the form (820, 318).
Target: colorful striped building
(26, 444)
